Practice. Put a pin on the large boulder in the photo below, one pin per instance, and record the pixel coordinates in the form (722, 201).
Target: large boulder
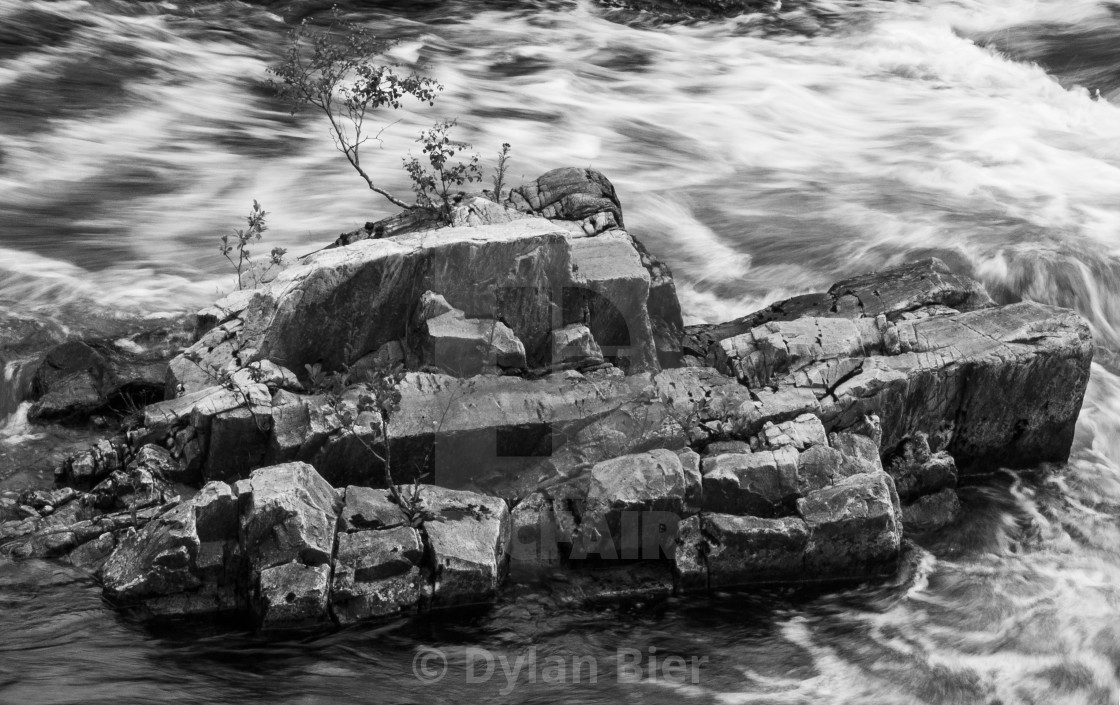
(572, 194)
(289, 514)
(762, 484)
(340, 304)
(289, 517)
(293, 596)
(78, 378)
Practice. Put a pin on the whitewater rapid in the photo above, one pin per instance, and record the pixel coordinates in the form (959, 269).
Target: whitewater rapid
(761, 156)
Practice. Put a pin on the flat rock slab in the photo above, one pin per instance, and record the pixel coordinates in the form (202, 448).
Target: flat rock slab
(510, 436)
(368, 508)
(892, 292)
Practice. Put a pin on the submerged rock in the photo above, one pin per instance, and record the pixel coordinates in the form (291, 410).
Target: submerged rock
(932, 511)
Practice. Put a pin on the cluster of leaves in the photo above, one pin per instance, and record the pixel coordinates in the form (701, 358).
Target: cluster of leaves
(248, 269)
(435, 186)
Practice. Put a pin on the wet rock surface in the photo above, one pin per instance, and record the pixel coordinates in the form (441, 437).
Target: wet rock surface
(72, 381)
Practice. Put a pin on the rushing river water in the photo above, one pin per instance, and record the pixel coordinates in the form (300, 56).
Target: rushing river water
(762, 156)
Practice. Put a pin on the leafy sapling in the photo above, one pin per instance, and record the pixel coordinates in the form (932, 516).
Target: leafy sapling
(436, 182)
(246, 268)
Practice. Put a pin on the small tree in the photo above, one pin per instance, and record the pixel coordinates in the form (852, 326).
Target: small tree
(245, 266)
(331, 71)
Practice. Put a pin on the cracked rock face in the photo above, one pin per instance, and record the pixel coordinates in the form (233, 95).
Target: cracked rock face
(293, 596)
(633, 504)
(185, 550)
(353, 300)
(855, 525)
(892, 293)
(290, 515)
(469, 536)
(466, 347)
(919, 375)
(377, 573)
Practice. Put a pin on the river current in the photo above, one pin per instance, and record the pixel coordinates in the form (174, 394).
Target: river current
(762, 155)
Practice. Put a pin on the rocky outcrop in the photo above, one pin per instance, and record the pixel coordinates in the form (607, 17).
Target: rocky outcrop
(528, 369)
